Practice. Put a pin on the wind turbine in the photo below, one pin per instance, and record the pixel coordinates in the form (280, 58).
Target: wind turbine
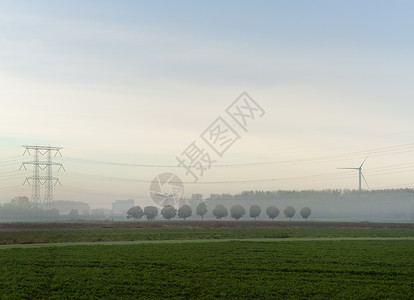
(359, 172)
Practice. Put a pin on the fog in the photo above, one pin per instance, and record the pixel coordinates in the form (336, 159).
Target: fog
(327, 205)
(134, 90)
(385, 205)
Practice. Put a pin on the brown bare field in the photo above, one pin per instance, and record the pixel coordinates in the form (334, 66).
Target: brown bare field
(105, 231)
(195, 224)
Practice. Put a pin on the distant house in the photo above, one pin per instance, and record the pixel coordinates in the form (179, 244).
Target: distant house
(120, 207)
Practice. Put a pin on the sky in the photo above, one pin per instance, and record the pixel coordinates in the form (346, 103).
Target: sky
(125, 87)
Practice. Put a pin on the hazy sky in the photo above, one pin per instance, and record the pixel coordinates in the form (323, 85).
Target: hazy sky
(130, 82)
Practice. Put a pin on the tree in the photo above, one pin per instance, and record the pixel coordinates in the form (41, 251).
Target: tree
(185, 211)
(150, 212)
(201, 210)
(168, 212)
(255, 211)
(237, 211)
(182, 201)
(272, 212)
(196, 198)
(21, 202)
(305, 212)
(220, 211)
(135, 212)
(19, 208)
(289, 212)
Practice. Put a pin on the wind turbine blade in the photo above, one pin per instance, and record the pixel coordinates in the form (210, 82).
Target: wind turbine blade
(365, 180)
(363, 161)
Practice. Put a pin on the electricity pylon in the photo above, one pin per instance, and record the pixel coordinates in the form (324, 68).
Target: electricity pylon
(47, 179)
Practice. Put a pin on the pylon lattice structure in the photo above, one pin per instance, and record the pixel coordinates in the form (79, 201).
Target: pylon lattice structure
(42, 173)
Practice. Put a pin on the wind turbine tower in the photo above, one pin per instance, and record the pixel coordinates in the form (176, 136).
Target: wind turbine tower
(361, 175)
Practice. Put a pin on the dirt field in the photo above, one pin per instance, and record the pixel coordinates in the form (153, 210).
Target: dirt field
(196, 224)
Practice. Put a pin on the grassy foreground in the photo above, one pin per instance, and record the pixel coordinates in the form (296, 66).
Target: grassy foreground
(224, 269)
(208, 260)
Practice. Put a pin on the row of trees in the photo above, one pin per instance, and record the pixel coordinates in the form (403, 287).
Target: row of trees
(168, 212)
(220, 211)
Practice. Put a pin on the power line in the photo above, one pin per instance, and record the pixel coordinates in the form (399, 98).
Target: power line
(94, 192)
(378, 152)
(323, 176)
(384, 151)
(294, 178)
(396, 185)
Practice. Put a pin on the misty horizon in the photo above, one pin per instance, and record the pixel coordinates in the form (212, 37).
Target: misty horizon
(133, 90)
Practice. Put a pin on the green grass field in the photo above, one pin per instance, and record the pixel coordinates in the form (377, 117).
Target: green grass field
(206, 260)
(202, 269)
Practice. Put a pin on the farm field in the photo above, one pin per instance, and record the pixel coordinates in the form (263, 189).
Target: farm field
(31, 233)
(221, 269)
(206, 260)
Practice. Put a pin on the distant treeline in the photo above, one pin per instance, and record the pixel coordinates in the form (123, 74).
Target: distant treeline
(22, 209)
(308, 194)
(391, 204)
